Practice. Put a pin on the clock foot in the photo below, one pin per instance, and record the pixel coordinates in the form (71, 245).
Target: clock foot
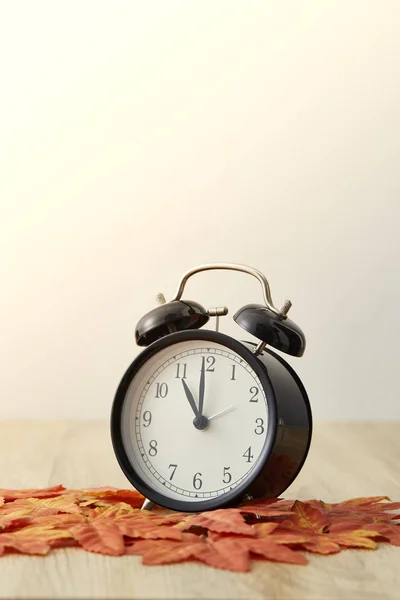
(148, 505)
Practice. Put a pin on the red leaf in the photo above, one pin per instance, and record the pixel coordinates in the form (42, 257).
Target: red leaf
(228, 520)
(271, 550)
(102, 537)
(139, 528)
(306, 517)
(50, 492)
(387, 530)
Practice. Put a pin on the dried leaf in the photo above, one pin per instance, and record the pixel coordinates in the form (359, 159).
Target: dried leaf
(306, 517)
(100, 536)
(228, 520)
(140, 528)
(10, 495)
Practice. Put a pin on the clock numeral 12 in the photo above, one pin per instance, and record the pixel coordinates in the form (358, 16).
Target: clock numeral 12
(178, 371)
(174, 467)
(161, 390)
(248, 455)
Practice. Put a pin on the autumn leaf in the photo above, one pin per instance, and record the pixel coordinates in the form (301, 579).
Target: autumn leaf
(159, 552)
(140, 528)
(1, 501)
(112, 496)
(10, 495)
(306, 517)
(100, 536)
(267, 508)
(32, 540)
(387, 530)
(228, 520)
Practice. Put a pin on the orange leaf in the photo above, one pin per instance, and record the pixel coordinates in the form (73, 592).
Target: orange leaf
(267, 548)
(321, 544)
(102, 537)
(306, 517)
(227, 553)
(32, 540)
(387, 530)
(50, 492)
(139, 528)
(360, 538)
(1, 500)
(111, 496)
(228, 520)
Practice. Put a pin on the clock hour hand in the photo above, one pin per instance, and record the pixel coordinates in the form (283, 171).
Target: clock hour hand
(189, 396)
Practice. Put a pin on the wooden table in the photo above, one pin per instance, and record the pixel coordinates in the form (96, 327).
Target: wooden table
(345, 461)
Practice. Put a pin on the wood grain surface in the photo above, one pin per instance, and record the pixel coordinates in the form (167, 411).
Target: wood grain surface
(345, 461)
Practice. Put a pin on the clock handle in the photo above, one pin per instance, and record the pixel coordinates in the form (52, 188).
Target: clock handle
(282, 312)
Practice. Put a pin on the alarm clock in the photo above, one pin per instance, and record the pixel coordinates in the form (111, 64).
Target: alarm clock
(202, 420)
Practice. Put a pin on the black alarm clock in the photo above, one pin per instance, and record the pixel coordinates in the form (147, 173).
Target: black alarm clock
(201, 420)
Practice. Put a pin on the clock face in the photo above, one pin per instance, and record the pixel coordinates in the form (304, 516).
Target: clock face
(194, 422)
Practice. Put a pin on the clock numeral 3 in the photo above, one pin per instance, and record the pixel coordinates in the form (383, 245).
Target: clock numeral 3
(153, 448)
(227, 476)
(260, 426)
(197, 482)
(146, 418)
(248, 455)
(178, 371)
(161, 390)
(173, 467)
(254, 390)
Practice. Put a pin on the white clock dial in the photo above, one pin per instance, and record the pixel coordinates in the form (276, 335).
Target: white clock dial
(174, 449)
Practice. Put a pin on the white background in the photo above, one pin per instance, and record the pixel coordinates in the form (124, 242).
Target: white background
(138, 139)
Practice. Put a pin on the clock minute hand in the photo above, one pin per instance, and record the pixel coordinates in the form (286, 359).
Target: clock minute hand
(201, 387)
(189, 396)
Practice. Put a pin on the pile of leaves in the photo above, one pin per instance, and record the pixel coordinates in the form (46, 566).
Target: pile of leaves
(109, 521)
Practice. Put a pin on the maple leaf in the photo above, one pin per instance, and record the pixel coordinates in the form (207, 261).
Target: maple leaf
(321, 544)
(1, 501)
(140, 528)
(270, 549)
(100, 536)
(32, 540)
(356, 539)
(112, 496)
(228, 520)
(387, 530)
(307, 517)
(50, 492)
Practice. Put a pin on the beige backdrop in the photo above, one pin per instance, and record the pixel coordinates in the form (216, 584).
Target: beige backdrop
(138, 139)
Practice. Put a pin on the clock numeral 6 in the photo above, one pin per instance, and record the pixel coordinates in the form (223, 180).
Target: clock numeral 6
(153, 448)
(248, 455)
(254, 390)
(161, 390)
(197, 482)
(260, 426)
(146, 418)
(227, 476)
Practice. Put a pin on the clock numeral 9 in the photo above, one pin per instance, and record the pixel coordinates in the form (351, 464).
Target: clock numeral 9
(227, 475)
(254, 390)
(178, 371)
(161, 390)
(153, 448)
(146, 418)
(197, 482)
(248, 455)
(260, 426)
